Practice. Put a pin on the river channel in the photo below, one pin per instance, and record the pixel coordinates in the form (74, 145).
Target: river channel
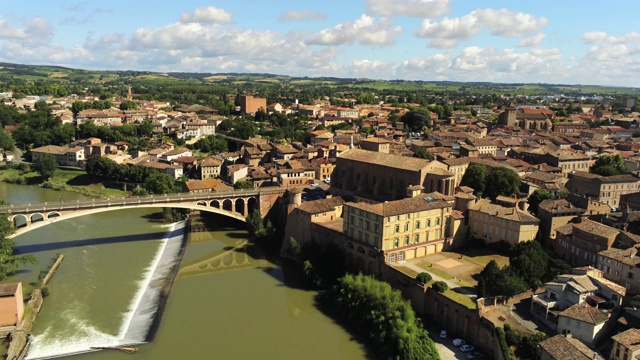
(227, 302)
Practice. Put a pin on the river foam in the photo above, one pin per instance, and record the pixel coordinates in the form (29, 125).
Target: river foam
(136, 322)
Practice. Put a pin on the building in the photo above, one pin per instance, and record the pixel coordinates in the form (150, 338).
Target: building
(494, 223)
(375, 144)
(379, 176)
(563, 347)
(605, 189)
(527, 119)
(250, 105)
(402, 229)
(65, 156)
(583, 322)
(205, 186)
(295, 177)
(553, 214)
(626, 345)
(209, 168)
(11, 304)
(580, 243)
(323, 168)
(621, 266)
(567, 160)
(303, 214)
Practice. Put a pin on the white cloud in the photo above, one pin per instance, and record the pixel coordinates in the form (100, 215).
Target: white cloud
(207, 15)
(450, 31)
(364, 30)
(302, 15)
(595, 37)
(413, 8)
(534, 40)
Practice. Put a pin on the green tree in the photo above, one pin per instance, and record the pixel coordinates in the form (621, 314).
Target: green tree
(440, 286)
(537, 197)
(128, 105)
(423, 278)
(416, 120)
(6, 141)
(159, 183)
(9, 260)
(45, 165)
(243, 184)
(530, 262)
(475, 177)
(607, 165)
(502, 181)
(422, 153)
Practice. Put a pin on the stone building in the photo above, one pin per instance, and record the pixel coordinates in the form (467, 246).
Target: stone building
(382, 177)
(375, 144)
(626, 345)
(403, 229)
(579, 243)
(553, 214)
(11, 304)
(250, 105)
(606, 189)
(493, 223)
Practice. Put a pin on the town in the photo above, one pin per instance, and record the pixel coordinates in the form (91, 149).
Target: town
(510, 221)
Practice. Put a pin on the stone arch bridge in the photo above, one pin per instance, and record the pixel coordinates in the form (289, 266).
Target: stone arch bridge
(235, 204)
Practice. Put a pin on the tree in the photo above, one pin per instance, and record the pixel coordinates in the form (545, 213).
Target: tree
(440, 286)
(243, 184)
(128, 105)
(537, 197)
(6, 141)
(416, 120)
(529, 262)
(422, 153)
(607, 165)
(475, 177)
(159, 183)
(45, 165)
(502, 181)
(9, 260)
(423, 278)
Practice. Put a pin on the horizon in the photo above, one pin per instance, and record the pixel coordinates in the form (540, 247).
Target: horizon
(409, 40)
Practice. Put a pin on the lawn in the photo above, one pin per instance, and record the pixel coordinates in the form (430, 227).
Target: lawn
(69, 180)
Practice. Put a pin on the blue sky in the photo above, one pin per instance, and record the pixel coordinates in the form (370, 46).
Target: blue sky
(561, 41)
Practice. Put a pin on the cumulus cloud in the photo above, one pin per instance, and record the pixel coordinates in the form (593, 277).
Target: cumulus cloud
(364, 30)
(595, 37)
(207, 15)
(534, 40)
(302, 15)
(413, 8)
(450, 31)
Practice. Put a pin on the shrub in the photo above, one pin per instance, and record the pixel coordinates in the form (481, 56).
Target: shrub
(45, 291)
(423, 278)
(440, 286)
(506, 351)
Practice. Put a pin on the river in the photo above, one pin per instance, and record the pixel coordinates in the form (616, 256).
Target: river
(226, 302)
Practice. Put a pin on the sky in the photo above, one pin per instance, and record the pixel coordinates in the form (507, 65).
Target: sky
(558, 42)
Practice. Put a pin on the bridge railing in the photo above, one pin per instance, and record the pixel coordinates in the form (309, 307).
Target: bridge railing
(133, 200)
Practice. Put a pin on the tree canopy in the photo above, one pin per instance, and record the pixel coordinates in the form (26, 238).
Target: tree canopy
(45, 165)
(537, 197)
(502, 181)
(475, 177)
(416, 120)
(9, 260)
(423, 154)
(607, 165)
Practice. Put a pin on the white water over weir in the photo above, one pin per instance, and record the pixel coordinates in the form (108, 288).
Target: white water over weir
(138, 319)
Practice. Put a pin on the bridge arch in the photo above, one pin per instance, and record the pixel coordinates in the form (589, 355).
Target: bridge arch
(252, 204)
(19, 221)
(227, 204)
(215, 204)
(36, 217)
(202, 203)
(53, 214)
(240, 205)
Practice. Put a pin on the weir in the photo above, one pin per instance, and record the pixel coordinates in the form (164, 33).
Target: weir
(137, 321)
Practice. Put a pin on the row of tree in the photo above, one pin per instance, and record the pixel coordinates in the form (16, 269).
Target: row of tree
(153, 181)
(380, 316)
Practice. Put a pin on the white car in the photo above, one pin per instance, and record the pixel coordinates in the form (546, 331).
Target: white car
(466, 347)
(443, 334)
(458, 342)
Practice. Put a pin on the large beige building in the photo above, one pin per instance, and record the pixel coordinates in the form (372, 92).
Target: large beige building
(493, 223)
(606, 189)
(403, 229)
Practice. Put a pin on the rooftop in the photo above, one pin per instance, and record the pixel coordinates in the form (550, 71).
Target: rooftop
(387, 160)
(585, 313)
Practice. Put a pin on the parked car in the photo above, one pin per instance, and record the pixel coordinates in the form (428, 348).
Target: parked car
(458, 342)
(466, 347)
(475, 355)
(443, 334)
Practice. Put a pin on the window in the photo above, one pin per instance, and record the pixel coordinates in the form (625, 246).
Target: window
(428, 222)
(392, 258)
(437, 221)
(401, 256)
(406, 227)
(376, 228)
(406, 240)
(397, 228)
(396, 242)
(629, 275)
(417, 225)
(416, 239)
(387, 230)
(366, 225)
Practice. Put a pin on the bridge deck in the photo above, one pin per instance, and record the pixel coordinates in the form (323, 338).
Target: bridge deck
(135, 200)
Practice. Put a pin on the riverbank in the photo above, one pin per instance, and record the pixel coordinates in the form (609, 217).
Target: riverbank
(19, 345)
